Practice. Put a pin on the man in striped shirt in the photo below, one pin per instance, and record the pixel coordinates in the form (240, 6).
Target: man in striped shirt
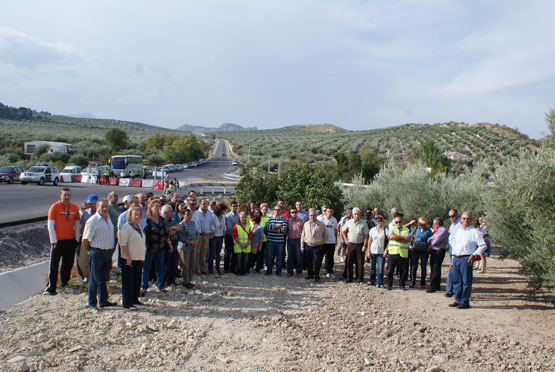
(98, 239)
(275, 230)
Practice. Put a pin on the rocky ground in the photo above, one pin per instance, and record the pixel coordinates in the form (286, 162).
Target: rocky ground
(261, 323)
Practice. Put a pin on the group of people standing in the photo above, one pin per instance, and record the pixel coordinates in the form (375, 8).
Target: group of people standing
(159, 239)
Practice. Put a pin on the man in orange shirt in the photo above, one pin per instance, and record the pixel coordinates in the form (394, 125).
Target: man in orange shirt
(63, 229)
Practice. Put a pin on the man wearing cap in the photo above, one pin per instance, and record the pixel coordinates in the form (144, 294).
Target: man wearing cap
(82, 254)
(126, 200)
(98, 240)
(63, 230)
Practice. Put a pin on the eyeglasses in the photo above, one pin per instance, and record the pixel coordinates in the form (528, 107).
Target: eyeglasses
(277, 210)
(396, 222)
(293, 212)
(453, 216)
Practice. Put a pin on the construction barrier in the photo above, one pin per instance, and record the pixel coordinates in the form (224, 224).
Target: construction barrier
(76, 178)
(147, 183)
(135, 182)
(124, 182)
(114, 181)
(158, 185)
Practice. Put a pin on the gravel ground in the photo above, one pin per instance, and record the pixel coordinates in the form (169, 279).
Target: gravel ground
(261, 323)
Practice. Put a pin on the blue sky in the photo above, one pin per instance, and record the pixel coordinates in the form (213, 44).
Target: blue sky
(356, 64)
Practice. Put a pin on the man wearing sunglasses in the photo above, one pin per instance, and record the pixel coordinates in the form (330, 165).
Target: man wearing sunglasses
(468, 243)
(455, 224)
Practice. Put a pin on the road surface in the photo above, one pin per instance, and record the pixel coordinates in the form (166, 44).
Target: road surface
(28, 201)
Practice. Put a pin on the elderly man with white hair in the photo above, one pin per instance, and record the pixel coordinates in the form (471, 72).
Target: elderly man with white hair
(355, 232)
(468, 243)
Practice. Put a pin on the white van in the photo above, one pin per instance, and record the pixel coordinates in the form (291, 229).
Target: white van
(70, 170)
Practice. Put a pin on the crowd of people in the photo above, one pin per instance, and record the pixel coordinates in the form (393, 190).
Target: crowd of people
(157, 240)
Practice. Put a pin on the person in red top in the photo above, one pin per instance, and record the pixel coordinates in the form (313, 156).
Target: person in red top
(63, 229)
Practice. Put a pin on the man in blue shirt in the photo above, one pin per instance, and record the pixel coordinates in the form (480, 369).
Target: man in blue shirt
(468, 243)
(455, 223)
(231, 219)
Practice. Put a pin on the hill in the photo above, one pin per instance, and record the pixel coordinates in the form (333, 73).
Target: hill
(316, 128)
(225, 127)
(492, 142)
(71, 129)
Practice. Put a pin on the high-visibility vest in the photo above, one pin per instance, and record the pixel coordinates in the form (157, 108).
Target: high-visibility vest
(106, 173)
(400, 248)
(263, 221)
(243, 237)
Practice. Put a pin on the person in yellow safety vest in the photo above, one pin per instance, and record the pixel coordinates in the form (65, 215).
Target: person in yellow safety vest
(397, 252)
(261, 255)
(242, 246)
(107, 176)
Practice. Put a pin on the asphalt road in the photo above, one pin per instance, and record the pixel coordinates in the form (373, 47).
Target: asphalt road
(21, 202)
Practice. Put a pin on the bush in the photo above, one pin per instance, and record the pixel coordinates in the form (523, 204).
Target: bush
(521, 213)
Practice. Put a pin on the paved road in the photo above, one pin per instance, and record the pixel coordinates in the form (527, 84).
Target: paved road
(28, 201)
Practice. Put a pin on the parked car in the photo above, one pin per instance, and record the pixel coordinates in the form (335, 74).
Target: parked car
(178, 167)
(41, 174)
(159, 172)
(185, 166)
(234, 162)
(10, 173)
(70, 170)
(90, 171)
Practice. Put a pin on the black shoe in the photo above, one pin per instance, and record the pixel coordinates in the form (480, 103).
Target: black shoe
(463, 306)
(317, 280)
(189, 285)
(309, 277)
(448, 294)
(411, 285)
(108, 304)
(454, 304)
(267, 273)
(389, 288)
(403, 288)
(349, 281)
(48, 293)
(139, 303)
(278, 274)
(430, 290)
(142, 293)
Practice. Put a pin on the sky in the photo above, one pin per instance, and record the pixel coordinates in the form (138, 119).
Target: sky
(356, 64)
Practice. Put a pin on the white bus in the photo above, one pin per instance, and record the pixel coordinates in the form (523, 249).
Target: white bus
(126, 165)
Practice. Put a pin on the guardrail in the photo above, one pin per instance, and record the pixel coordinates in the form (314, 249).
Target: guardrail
(350, 185)
(232, 176)
(210, 188)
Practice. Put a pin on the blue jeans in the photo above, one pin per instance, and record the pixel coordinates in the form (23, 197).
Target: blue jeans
(274, 252)
(313, 262)
(462, 280)
(100, 263)
(376, 260)
(215, 253)
(449, 282)
(242, 263)
(294, 256)
(158, 258)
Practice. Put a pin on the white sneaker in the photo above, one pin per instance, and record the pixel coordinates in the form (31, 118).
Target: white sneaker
(342, 259)
(331, 276)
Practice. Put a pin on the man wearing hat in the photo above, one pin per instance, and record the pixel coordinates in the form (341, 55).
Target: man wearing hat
(125, 206)
(82, 254)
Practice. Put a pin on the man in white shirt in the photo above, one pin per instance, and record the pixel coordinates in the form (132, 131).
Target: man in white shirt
(455, 223)
(468, 243)
(98, 240)
(329, 245)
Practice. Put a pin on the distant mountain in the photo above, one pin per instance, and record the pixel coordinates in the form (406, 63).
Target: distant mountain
(84, 115)
(225, 127)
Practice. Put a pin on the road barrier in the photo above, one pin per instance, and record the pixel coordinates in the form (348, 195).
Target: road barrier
(232, 176)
